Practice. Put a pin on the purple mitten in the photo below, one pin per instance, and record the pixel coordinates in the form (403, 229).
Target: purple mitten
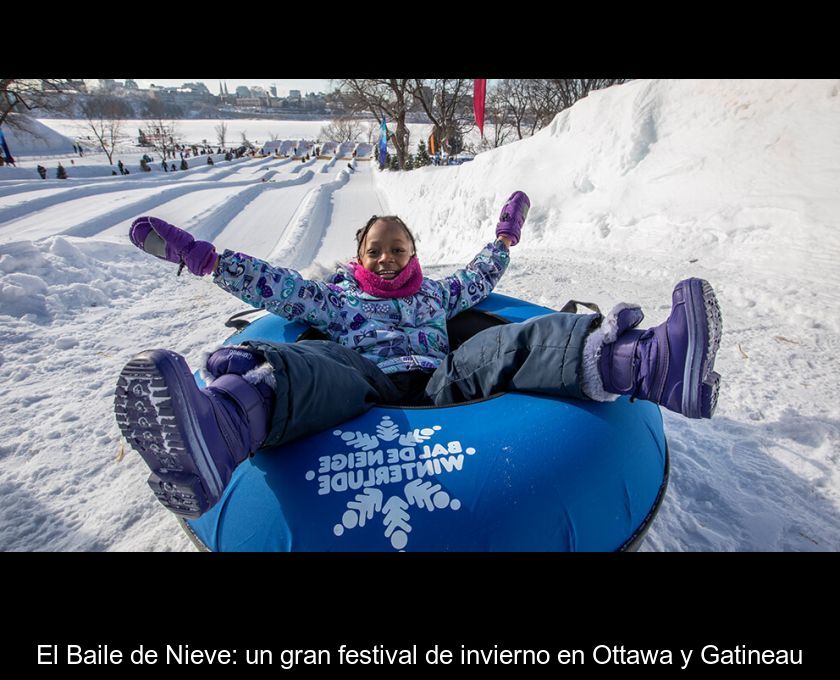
(172, 244)
(513, 217)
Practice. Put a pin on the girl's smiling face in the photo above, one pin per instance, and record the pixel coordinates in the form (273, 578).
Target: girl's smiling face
(386, 249)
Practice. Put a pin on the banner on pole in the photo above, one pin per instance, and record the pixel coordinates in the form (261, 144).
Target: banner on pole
(479, 92)
(383, 144)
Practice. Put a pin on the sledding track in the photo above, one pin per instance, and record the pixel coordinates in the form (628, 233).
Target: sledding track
(271, 206)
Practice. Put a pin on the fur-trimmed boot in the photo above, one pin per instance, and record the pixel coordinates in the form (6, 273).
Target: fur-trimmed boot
(671, 364)
(192, 439)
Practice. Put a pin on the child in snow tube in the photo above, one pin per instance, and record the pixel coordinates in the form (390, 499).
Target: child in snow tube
(388, 344)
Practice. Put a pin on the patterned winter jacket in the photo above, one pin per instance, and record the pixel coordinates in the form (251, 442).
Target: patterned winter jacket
(397, 334)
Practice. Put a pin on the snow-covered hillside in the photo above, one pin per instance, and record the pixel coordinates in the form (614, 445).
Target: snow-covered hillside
(632, 189)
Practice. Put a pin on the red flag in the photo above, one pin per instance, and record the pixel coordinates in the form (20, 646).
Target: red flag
(479, 90)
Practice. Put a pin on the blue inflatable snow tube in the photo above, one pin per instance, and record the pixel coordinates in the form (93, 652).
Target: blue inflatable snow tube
(514, 472)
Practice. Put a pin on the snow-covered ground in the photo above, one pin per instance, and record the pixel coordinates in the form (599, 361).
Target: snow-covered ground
(633, 189)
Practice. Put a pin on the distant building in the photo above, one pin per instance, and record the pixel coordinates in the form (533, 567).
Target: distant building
(314, 102)
(273, 90)
(294, 95)
(243, 92)
(196, 88)
(131, 85)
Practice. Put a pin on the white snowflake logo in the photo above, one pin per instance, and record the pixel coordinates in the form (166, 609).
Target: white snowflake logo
(373, 463)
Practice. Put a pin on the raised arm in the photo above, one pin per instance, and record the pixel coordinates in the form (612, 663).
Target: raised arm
(473, 283)
(469, 286)
(280, 291)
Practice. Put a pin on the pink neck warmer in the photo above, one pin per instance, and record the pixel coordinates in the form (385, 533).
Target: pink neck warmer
(404, 284)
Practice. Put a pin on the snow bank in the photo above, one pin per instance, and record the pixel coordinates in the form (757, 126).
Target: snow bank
(728, 171)
(58, 277)
(72, 312)
(34, 138)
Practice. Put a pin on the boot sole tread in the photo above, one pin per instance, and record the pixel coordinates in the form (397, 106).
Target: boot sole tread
(710, 380)
(146, 418)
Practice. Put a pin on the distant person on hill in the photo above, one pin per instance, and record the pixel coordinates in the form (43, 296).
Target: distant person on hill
(60, 172)
(121, 167)
(42, 171)
(165, 166)
(388, 343)
(174, 169)
(209, 160)
(184, 165)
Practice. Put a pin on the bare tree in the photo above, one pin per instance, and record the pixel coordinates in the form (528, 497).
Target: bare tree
(104, 117)
(545, 102)
(21, 95)
(570, 90)
(516, 101)
(221, 133)
(496, 114)
(386, 99)
(446, 102)
(163, 136)
(342, 130)
(531, 104)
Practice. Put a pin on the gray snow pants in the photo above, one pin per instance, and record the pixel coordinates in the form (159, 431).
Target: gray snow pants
(320, 384)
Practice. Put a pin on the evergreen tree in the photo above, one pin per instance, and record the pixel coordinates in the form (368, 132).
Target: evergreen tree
(393, 163)
(409, 162)
(422, 155)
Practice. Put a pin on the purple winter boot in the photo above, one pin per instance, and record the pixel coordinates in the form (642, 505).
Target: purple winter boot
(191, 438)
(672, 363)
(513, 216)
